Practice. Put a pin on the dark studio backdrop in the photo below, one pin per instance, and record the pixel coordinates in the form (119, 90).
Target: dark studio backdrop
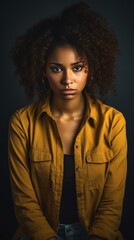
(17, 16)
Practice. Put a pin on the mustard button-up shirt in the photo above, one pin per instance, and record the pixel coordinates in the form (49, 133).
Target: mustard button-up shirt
(36, 161)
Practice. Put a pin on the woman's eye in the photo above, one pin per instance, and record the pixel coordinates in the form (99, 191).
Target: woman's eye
(56, 69)
(78, 68)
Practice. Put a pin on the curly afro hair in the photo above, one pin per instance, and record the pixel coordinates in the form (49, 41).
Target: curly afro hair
(82, 28)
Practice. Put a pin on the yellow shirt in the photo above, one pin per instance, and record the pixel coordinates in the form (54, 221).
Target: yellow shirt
(36, 169)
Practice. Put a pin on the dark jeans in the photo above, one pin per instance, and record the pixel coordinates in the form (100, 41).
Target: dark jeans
(69, 232)
(73, 231)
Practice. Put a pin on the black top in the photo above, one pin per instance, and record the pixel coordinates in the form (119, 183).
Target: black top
(68, 208)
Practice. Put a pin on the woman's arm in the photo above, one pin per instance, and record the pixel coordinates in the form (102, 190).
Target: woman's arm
(108, 215)
(27, 208)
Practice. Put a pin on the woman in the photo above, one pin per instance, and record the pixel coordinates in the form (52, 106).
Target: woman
(67, 150)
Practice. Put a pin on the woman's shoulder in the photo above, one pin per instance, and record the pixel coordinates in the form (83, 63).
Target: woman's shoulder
(109, 112)
(26, 113)
(29, 108)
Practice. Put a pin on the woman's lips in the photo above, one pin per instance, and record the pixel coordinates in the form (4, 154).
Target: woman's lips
(68, 91)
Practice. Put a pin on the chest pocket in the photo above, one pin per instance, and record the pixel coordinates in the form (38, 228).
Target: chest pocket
(98, 162)
(40, 162)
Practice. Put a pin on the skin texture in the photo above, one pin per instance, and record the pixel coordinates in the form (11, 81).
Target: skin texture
(66, 74)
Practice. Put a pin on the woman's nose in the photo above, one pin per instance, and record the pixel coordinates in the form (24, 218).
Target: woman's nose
(66, 83)
(67, 78)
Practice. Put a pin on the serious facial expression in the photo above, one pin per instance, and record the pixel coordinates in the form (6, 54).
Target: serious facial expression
(66, 72)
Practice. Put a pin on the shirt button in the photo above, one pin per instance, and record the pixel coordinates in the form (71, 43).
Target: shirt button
(77, 146)
(79, 194)
(78, 168)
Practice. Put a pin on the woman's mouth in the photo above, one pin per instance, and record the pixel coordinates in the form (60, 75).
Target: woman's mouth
(68, 91)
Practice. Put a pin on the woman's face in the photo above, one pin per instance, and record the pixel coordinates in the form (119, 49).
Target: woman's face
(66, 72)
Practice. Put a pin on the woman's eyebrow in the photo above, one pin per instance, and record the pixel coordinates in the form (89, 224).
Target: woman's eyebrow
(59, 64)
(76, 63)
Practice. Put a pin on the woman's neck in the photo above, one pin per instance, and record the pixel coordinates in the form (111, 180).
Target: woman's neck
(68, 108)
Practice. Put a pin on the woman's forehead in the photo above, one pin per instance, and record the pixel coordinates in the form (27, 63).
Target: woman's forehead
(65, 53)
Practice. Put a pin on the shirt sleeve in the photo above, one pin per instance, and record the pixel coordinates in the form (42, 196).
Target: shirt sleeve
(108, 216)
(27, 209)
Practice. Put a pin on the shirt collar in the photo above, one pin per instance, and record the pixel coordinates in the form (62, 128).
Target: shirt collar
(44, 106)
(90, 112)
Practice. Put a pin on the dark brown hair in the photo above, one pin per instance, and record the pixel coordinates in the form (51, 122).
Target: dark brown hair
(82, 28)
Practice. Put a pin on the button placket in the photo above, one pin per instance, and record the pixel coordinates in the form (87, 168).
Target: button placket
(76, 146)
(78, 168)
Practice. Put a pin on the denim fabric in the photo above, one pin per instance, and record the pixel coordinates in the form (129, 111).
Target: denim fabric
(73, 231)
(69, 232)
(24, 238)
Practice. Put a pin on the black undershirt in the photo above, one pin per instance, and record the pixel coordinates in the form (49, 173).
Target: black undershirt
(68, 207)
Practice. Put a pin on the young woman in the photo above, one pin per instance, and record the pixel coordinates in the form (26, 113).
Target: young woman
(67, 150)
